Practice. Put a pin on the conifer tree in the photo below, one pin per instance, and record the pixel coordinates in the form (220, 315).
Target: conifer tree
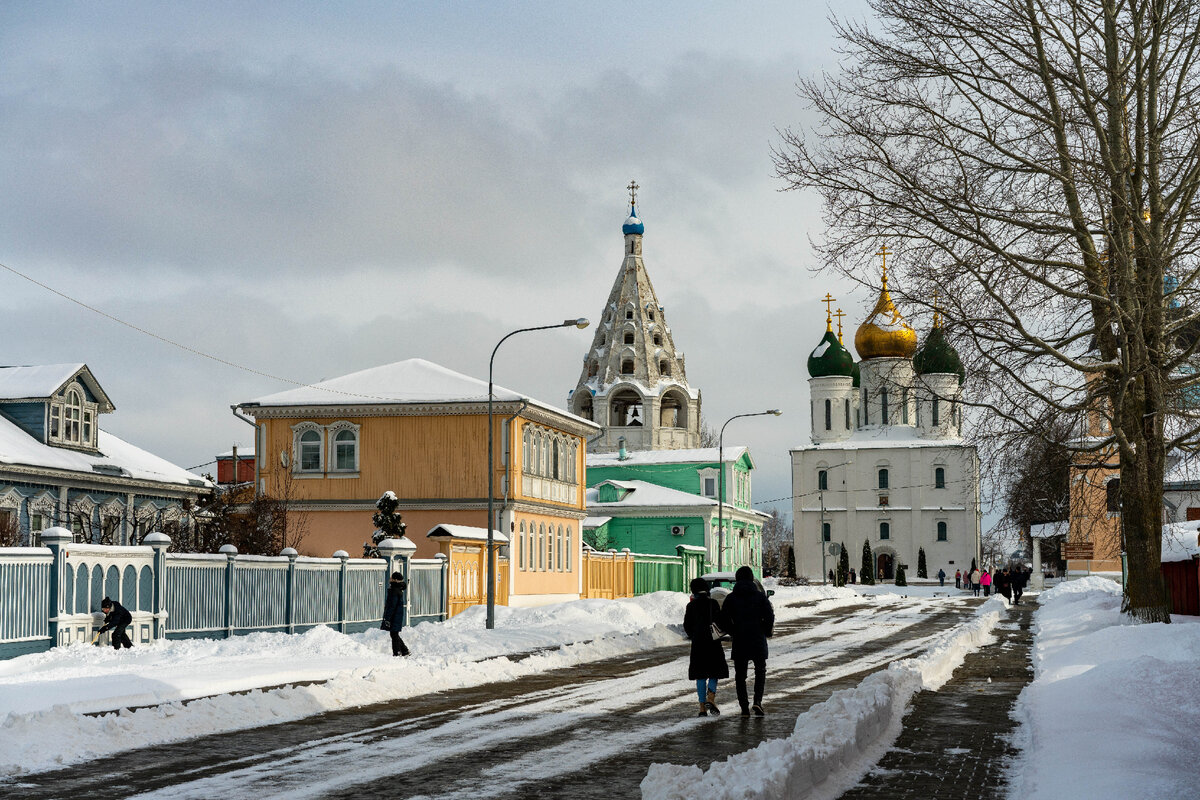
(791, 569)
(900, 579)
(388, 524)
(843, 567)
(867, 574)
(922, 570)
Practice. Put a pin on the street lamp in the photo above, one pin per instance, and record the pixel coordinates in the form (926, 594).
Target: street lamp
(491, 469)
(721, 483)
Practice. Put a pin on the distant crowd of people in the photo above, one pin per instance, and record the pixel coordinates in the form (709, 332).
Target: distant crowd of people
(1009, 582)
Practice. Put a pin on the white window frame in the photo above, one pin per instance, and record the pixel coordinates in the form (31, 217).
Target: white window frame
(72, 399)
(298, 432)
(331, 435)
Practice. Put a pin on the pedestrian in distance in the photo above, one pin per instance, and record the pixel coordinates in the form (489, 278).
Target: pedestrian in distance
(831, 578)
(958, 579)
(976, 577)
(942, 577)
(986, 582)
(853, 576)
(1003, 584)
(706, 664)
(393, 613)
(1019, 579)
(116, 619)
(749, 618)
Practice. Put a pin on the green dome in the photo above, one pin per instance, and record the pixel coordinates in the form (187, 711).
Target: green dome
(831, 358)
(936, 356)
(857, 375)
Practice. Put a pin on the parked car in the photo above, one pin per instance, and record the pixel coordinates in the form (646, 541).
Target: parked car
(720, 583)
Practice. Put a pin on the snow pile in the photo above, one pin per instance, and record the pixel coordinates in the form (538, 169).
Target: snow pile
(832, 738)
(1114, 706)
(1179, 541)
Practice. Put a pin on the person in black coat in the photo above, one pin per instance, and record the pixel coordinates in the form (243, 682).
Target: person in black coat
(748, 617)
(707, 662)
(116, 619)
(393, 613)
(1002, 583)
(1019, 578)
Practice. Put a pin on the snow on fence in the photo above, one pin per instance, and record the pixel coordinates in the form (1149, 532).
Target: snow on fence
(53, 593)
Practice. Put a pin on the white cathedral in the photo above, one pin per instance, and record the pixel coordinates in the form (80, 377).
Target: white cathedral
(887, 463)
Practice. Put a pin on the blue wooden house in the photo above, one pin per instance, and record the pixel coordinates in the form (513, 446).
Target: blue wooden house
(58, 468)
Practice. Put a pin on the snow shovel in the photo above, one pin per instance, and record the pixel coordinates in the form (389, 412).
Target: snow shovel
(96, 638)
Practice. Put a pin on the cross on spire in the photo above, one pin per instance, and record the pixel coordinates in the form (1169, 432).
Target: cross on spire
(937, 309)
(883, 251)
(828, 301)
(839, 314)
(633, 187)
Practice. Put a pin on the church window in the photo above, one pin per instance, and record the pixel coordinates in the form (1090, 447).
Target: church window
(664, 368)
(883, 478)
(866, 406)
(941, 532)
(847, 413)
(885, 530)
(939, 478)
(627, 366)
(629, 314)
(904, 406)
(826, 533)
(628, 337)
(918, 412)
(602, 340)
(658, 339)
(1112, 496)
(822, 480)
(593, 369)
(828, 415)
(883, 406)
(934, 414)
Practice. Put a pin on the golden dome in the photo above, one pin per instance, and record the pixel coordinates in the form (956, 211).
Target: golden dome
(885, 334)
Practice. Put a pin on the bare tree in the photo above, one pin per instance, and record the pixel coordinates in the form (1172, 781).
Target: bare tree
(10, 528)
(1035, 163)
(777, 536)
(708, 436)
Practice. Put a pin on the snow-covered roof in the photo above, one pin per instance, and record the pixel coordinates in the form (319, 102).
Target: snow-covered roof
(641, 493)
(414, 381)
(117, 457)
(44, 380)
(1179, 541)
(1047, 530)
(465, 532)
(1184, 470)
(887, 436)
(595, 522)
(635, 457)
(243, 452)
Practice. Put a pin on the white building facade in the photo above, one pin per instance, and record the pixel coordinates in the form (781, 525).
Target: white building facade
(887, 463)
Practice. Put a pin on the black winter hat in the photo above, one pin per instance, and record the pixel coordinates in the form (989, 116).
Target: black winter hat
(106, 603)
(398, 576)
(743, 574)
(699, 586)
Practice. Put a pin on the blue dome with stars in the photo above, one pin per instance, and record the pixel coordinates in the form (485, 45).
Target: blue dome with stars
(633, 224)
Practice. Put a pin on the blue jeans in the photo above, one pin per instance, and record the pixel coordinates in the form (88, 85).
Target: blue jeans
(703, 684)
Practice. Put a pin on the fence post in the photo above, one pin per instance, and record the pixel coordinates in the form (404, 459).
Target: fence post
(56, 539)
(160, 542)
(444, 591)
(231, 553)
(289, 610)
(345, 557)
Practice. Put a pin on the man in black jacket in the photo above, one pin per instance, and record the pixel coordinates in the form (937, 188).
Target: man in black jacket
(749, 619)
(116, 618)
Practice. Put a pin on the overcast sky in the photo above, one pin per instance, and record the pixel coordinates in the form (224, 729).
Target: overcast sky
(312, 189)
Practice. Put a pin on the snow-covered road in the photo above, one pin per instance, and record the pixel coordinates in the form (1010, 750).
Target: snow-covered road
(588, 730)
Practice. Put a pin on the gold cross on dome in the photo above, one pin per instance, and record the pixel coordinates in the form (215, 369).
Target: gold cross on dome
(884, 252)
(839, 314)
(937, 309)
(828, 301)
(633, 187)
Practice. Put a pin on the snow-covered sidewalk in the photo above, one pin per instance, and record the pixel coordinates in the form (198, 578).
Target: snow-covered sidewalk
(49, 701)
(1114, 707)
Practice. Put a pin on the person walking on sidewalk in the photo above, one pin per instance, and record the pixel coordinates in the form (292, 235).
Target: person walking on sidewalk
(853, 576)
(393, 613)
(1019, 579)
(958, 579)
(749, 618)
(976, 576)
(706, 664)
(1003, 584)
(116, 619)
(942, 578)
(986, 582)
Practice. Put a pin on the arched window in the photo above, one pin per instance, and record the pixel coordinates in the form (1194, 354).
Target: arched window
(522, 546)
(934, 413)
(628, 337)
(883, 478)
(559, 548)
(904, 406)
(627, 366)
(602, 340)
(826, 532)
(658, 340)
(310, 451)
(822, 480)
(885, 530)
(526, 448)
(866, 406)
(847, 413)
(1112, 496)
(570, 548)
(664, 368)
(828, 415)
(550, 549)
(941, 531)
(345, 451)
(556, 461)
(883, 406)
(939, 478)
(541, 546)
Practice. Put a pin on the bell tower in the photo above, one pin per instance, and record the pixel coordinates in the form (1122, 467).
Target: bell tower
(634, 382)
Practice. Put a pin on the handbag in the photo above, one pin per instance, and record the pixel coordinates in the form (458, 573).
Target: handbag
(715, 631)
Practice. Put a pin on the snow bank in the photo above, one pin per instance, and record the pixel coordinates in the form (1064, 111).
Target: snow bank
(833, 738)
(1114, 706)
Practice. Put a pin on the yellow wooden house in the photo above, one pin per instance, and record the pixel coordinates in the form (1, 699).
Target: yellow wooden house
(420, 430)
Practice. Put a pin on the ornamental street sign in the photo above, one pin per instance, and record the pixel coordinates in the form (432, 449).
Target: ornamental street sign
(1078, 551)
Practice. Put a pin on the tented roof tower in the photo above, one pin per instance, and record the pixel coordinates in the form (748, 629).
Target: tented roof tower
(633, 382)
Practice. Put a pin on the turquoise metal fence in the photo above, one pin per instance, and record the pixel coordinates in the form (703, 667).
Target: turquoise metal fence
(53, 593)
(653, 573)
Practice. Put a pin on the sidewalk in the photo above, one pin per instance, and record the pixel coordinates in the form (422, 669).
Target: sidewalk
(956, 741)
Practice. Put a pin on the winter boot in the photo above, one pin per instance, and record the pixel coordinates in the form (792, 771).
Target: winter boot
(758, 710)
(745, 711)
(711, 704)
(703, 710)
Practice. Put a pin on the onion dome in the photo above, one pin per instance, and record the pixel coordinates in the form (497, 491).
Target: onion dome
(632, 223)
(885, 334)
(937, 356)
(830, 358)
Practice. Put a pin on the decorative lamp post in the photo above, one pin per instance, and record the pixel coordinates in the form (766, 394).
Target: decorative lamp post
(721, 483)
(491, 471)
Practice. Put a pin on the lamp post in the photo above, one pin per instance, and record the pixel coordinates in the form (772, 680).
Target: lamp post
(721, 483)
(491, 469)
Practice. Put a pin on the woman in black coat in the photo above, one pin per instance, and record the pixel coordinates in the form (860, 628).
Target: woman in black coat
(393, 613)
(707, 663)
